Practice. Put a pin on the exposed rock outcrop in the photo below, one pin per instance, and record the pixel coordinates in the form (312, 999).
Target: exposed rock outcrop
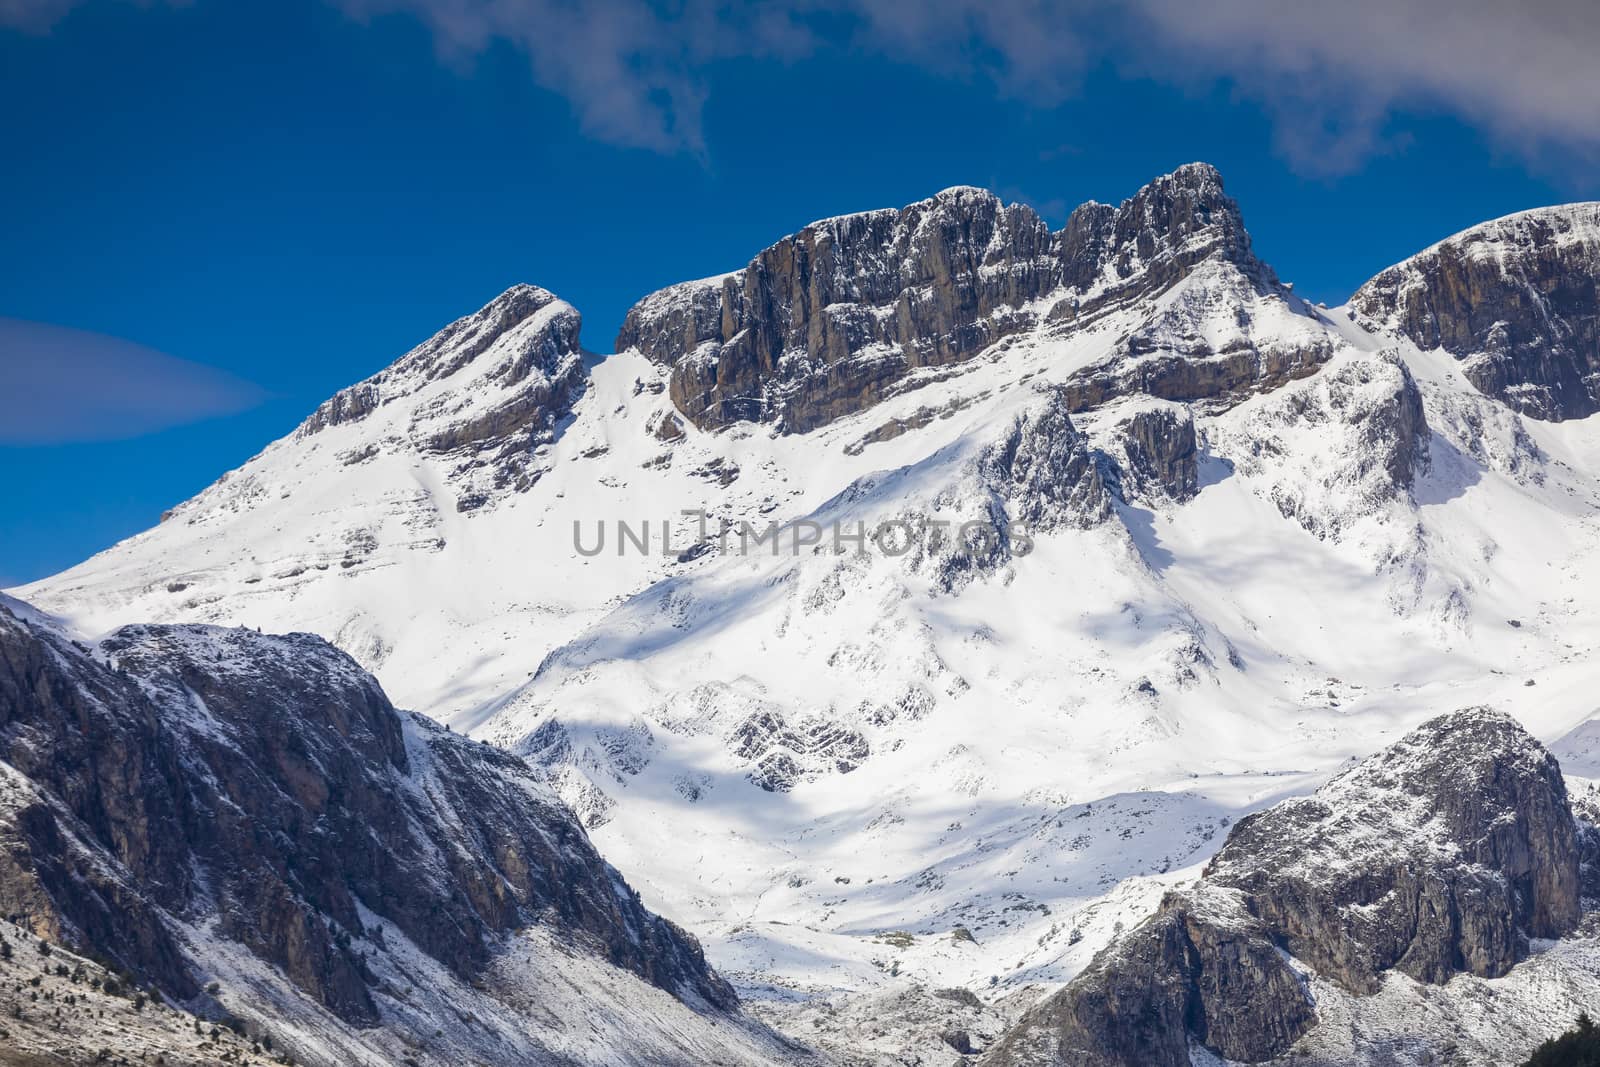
(1444, 854)
(1159, 453)
(1038, 474)
(486, 391)
(264, 790)
(1516, 300)
(1342, 447)
(1043, 470)
(1222, 335)
(837, 317)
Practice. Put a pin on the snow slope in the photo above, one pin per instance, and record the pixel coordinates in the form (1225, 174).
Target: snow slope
(847, 773)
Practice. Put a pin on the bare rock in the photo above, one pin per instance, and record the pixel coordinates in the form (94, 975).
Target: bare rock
(1515, 300)
(1444, 854)
(833, 319)
(1160, 454)
(263, 788)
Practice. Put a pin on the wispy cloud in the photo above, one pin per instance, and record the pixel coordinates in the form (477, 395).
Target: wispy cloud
(633, 72)
(59, 385)
(1332, 76)
(636, 73)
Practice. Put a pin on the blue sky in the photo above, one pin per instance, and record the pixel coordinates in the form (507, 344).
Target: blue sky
(275, 199)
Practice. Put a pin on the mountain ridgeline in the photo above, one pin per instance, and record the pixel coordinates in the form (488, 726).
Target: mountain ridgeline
(849, 310)
(1178, 545)
(858, 308)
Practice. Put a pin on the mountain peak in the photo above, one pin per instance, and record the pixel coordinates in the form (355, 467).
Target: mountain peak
(1196, 174)
(525, 335)
(828, 320)
(488, 389)
(965, 192)
(1514, 299)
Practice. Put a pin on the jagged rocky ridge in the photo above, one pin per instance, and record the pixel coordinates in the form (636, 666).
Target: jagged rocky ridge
(263, 789)
(1515, 300)
(1444, 854)
(487, 390)
(849, 310)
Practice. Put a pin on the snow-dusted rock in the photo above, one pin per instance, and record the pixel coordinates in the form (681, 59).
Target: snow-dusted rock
(845, 313)
(1517, 300)
(1447, 853)
(484, 392)
(207, 807)
(1156, 453)
(1243, 573)
(1340, 448)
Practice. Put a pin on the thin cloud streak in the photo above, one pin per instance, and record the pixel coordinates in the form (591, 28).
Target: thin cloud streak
(60, 385)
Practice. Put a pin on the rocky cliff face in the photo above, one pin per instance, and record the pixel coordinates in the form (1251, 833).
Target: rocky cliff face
(262, 790)
(1038, 473)
(842, 314)
(1158, 453)
(1444, 854)
(1515, 300)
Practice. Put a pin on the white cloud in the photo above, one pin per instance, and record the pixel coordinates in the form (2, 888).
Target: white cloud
(1331, 74)
(635, 73)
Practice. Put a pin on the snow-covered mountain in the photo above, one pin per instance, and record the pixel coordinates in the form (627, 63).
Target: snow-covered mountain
(1162, 544)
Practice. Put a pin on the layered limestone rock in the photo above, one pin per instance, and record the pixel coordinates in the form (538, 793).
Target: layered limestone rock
(262, 789)
(485, 392)
(1515, 300)
(1219, 335)
(844, 313)
(1444, 854)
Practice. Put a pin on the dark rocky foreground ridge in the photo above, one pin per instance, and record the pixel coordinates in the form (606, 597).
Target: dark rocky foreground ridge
(1444, 854)
(263, 790)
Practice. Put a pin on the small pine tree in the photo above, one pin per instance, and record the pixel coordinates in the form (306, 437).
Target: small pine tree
(1579, 1047)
